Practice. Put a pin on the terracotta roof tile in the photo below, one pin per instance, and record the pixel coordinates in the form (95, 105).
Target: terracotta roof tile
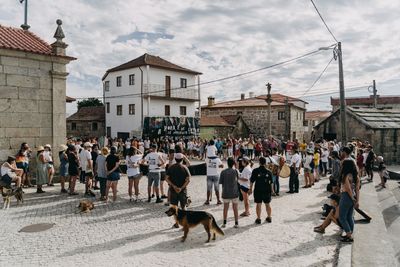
(150, 60)
(89, 114)
(214, 121)
(317, 114)
(258, 101)
(18, 39)
(69, 99)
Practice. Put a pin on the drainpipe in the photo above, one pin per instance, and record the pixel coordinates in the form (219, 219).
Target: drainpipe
(141, 97)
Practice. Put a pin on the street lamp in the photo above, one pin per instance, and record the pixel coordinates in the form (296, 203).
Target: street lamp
(269, 100)
(337, 54)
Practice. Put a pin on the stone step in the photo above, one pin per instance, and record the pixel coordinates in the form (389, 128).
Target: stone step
(372, 243)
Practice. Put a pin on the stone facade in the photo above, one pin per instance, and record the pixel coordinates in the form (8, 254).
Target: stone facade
(256, 119)
(386, 142)
(87, 122)
(32, 100)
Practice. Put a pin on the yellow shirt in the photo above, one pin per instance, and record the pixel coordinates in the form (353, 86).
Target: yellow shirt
(316, 159)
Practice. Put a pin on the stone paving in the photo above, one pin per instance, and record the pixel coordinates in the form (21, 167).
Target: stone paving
(126, 233)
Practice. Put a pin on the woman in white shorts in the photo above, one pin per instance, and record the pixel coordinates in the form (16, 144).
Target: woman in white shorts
(133, 160)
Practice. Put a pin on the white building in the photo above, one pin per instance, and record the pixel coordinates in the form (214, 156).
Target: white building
(148, 90)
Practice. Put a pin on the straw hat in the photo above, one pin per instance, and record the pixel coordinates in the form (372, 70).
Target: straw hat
(40, 148)
(63, 147)
(48, 146)
(104, 151)
(285, 171)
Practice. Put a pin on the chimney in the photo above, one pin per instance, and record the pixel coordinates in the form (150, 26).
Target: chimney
(242, 96)
(59, 46)
(211, 101)
(251, 94)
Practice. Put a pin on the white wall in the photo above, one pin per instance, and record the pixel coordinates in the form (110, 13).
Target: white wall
(129, 123)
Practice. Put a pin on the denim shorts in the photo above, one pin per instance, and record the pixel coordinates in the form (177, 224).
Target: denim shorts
(114, 176)
(212, 180)
(154, 178)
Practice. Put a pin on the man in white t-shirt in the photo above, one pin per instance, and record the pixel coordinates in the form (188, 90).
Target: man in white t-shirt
(295, 163)
(211, 149)
(324, 161)
(154, 161)
(85, 158)
(213, 163)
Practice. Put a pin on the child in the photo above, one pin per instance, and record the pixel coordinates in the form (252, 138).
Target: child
(383, 173)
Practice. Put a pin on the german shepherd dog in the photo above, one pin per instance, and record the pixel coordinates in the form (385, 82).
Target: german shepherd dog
(86, 206)
(190, 219)
(7, 193)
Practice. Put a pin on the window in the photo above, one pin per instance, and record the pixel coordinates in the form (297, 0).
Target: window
(108, 131)
(108, 107)
(168, 86)
(119, 110)
(132, 79)
(183, 83)
(73, 126)
(107, 86)
(297, 116)
(182, 110)
(281, 115)
(305, 123)
(119, 81)
(167, 110)
(95, 126)
(131, 109)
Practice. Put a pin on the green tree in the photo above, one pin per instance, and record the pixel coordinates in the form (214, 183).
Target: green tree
(90, 102)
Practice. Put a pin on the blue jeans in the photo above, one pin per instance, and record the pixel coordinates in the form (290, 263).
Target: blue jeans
(346, 212)
(275, 180)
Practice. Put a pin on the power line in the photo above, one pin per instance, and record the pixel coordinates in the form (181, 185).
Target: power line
(324, 21)
(318, 78)
(335, 92)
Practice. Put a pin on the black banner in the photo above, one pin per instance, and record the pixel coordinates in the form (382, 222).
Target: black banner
(171, 127)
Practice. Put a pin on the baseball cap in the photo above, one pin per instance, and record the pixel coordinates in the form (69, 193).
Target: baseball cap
(178, 156)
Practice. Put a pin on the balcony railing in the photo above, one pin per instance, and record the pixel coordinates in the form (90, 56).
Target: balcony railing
(159, 90)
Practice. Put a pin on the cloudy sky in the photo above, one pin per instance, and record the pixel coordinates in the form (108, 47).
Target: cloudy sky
(223, 38)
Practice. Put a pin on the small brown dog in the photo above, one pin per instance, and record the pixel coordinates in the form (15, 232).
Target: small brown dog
(86, 206)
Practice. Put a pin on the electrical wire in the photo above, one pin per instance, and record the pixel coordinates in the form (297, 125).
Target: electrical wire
(318, 78)
(324, 21)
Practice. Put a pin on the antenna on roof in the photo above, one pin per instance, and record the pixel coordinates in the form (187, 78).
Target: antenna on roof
(25, 26)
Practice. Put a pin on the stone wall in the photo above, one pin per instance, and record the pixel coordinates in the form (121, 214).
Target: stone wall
(209, 132)
(84, 129)
(386, 142)
(32, 101)
(256, 119)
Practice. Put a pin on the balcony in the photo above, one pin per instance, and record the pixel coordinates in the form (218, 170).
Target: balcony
(159, 91)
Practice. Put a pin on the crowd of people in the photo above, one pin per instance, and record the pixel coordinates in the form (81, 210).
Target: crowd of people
(98, 164)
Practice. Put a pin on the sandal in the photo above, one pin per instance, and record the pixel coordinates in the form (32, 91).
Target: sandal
(347, 239)
(244, 214)
(319, 230)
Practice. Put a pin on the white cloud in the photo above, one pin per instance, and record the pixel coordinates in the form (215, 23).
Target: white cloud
(222, 38)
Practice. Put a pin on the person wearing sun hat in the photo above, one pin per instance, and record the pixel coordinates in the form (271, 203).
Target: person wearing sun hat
(63, 167)
(41, 169)
(48, 155)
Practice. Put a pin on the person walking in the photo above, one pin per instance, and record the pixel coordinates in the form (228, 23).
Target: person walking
(63, 167)
(261, 178)
(230, 191)
(102, 172)
(295, 162)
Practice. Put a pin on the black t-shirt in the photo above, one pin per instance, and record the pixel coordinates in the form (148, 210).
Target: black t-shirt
(73, 162)
(94, 157)
(262, 178)
(177, 174)
(111, 162)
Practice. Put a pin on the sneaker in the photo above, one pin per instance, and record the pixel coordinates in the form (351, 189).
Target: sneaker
(159, 200)
(268, 220)
(258, 221)
(277, 194)
(64, 191)
(290, 192)
(164, 197)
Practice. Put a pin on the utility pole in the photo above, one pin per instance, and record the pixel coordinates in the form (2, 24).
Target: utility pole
(25, 26)
(342, 96)
(375, 94)
(269, 100)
